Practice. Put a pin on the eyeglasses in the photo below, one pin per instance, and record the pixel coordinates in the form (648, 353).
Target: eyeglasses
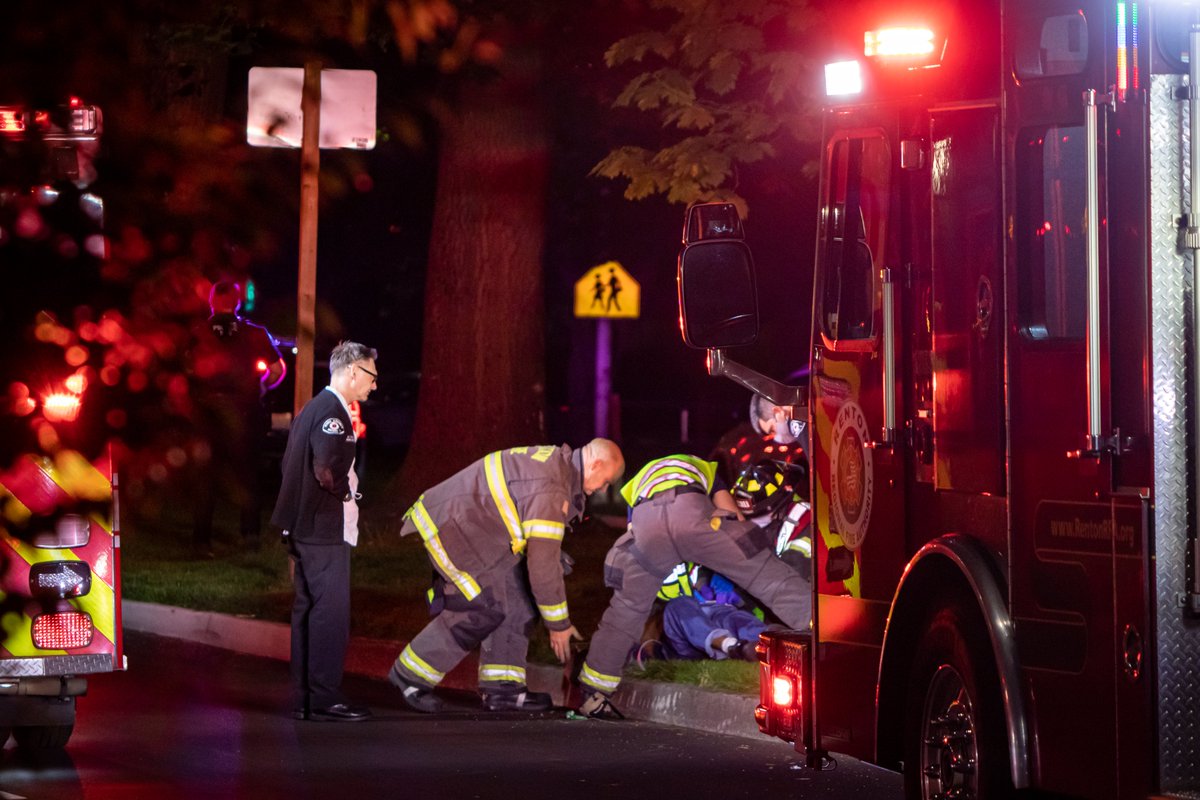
(374, 375)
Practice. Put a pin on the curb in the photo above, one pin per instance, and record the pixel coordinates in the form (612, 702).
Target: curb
(675, 704)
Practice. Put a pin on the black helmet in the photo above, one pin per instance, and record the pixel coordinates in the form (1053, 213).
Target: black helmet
(764, 486)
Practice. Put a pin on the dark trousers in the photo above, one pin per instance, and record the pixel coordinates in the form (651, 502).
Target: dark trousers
(320, 623)
(234, 431)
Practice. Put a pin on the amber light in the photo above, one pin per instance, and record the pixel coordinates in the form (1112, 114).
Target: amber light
(62, 630)
(783, 691)
(889, 42)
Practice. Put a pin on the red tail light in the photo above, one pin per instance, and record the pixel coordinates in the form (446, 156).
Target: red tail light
(783, 691)
(62, 630)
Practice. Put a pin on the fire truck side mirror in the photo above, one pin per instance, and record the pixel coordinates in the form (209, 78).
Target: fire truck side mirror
(718, 302)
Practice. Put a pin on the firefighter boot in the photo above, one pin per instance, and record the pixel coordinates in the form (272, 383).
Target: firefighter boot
(515, 700)
(598, 706)
(416, 697)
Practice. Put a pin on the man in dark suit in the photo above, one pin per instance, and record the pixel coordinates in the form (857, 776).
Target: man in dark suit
(318, 512)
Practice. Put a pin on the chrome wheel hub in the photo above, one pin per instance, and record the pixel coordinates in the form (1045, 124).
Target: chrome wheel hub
(948, 748)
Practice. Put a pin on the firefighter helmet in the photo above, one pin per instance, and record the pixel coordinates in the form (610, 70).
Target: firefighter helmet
(764, 486)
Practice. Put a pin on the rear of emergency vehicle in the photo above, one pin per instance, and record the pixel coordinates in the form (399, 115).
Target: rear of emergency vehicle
(59, 531)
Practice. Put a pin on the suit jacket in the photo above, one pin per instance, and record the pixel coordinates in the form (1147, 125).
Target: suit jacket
(316, 472)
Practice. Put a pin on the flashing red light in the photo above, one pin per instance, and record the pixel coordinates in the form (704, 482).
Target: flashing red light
(61, 407)
(893, 42)
(75, 102)
(12, 120)
(260, 365)
(783, 691)
(62, 630)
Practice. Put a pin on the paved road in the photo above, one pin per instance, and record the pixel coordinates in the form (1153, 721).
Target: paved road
(189, 721)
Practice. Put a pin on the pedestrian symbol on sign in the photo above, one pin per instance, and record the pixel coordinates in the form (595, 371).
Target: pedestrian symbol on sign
(607, 291)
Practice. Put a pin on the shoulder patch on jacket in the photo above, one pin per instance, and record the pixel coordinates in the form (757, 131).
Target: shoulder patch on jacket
(334, 426)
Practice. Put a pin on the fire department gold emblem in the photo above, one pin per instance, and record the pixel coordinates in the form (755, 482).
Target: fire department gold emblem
(850, 469)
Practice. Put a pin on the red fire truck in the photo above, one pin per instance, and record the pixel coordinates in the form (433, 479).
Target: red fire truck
(1005, 373)
(59, 537)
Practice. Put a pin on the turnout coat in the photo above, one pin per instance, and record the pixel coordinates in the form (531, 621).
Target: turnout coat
(509, 504)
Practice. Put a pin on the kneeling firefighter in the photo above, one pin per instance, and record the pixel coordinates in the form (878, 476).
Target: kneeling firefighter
(678, 514)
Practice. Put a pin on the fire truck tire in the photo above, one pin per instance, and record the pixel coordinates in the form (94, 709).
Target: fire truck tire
(954, 734)
(43, 737)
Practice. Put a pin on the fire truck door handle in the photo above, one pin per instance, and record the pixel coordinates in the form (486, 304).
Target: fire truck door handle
(887, 438)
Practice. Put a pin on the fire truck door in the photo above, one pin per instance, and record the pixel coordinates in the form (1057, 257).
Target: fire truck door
(858, 463)
(1061, 556)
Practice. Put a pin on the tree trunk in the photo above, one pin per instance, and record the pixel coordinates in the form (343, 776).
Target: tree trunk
(482, 371)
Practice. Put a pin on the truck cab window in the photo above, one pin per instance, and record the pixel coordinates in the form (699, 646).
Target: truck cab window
(1051, 238)
(1047, 46)
(853, 235)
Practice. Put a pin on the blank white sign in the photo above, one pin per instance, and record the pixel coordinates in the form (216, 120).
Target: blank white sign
(273, 117)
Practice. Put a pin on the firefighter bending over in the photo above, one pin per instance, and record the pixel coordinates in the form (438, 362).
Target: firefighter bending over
(674, 519)
(494, 533)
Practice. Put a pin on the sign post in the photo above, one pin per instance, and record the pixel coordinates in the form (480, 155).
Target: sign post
(606, 292)
(309, 108)
(306, 288)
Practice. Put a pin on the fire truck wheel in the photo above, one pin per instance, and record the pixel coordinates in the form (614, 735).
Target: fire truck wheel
(43, 737)
(954, 736)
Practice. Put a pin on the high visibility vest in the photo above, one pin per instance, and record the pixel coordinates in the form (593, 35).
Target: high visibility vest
(681, 582)
(670, 472)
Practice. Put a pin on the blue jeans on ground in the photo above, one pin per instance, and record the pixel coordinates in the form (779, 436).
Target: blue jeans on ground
(691, 627)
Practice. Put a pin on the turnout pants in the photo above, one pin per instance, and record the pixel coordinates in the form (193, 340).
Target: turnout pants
(676, 526)
(320, 623)
(499, 620)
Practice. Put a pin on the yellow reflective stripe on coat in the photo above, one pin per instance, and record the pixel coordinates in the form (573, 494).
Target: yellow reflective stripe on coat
(496, 673)
(418, 666)
(437, 551)
(554, 613)
(598, 680)
(667, 473)
(493, 468)
(543, 529)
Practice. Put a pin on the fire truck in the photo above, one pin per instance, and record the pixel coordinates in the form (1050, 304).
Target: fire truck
(1002, 403)
(59, 535)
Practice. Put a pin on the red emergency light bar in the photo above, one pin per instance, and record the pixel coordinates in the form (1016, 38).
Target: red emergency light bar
(12, 120)
(77, 120)
(898, 42)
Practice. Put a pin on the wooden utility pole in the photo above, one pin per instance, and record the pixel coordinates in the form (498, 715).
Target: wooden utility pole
(306, 290)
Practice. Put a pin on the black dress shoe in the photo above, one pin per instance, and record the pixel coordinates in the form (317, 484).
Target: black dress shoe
(299, 713)
(340, 713)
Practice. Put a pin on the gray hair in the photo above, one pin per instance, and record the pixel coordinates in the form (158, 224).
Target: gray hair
(347, 353)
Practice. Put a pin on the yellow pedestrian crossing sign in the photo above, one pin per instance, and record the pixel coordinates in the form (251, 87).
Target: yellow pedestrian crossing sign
(608, 291)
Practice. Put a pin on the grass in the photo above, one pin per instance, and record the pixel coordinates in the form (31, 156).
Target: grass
(389, 576)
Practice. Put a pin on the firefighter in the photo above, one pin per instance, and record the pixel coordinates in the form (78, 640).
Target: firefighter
(317, 510)
(677, 515)
(494, 534)
(713, 618)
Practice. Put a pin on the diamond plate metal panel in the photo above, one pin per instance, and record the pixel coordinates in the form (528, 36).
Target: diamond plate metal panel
(1178, 645)
(56, 665)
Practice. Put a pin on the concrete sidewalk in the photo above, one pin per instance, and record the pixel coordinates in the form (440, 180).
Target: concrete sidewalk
(654, 701)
